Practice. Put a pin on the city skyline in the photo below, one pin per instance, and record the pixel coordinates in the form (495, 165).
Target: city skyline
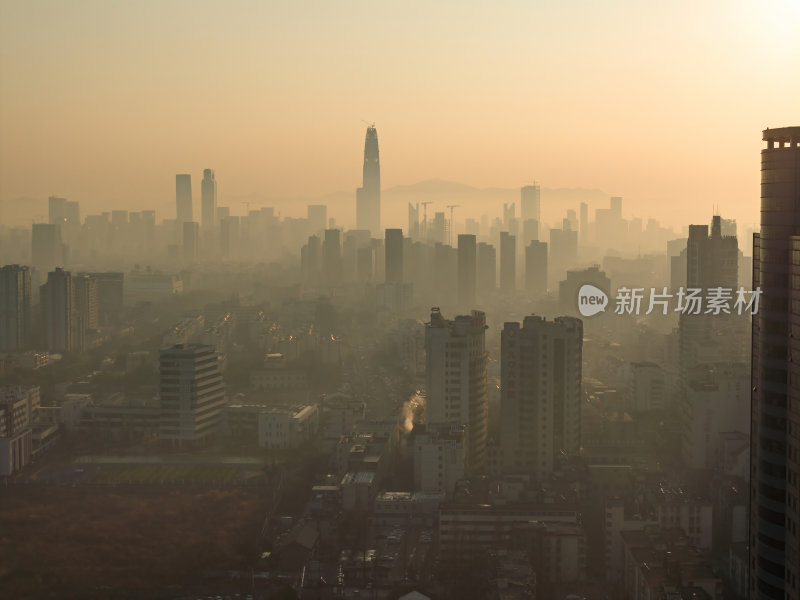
(541, 341)
(658, 126)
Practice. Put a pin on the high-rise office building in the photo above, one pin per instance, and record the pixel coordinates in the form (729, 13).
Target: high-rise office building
(456, 376)
(47, 248)
(56, 299)
(228, 236)
(110, 294)
(467, 269)
(487, 269)
(15, 308)
(191, 241)
(445, 273)
(317, 215)
(711, 262)
(563, 253)
(413, 221)
(540, 402)
(368, 196)
(56, 210)
(536, 268)
(530, 203)
(86, 310)
(192, 394)
(183, 198)
(508, 262)
(393, 250)
(775, 379)
(530, 231)
(311, 259)
(332, 257)
(208, 201)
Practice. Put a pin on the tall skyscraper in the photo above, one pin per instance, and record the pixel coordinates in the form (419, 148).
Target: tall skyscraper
(191, 241)
(508, 262)
(56, 299)
(208, 201)
(311, 259)
(192, 394)
(711, 262)
(413, 221)
(317, 215)
(775, 379)
(86, 309)
(332, 257)
(563, 252)
(393, 250)
(540, 402)
(456, 376)
(467, 269)
(110, 293)
(368, 196)
(183, 198)
(47, 249)
(56, 210)
(536, 268)
(228, 236)
(487, 269)
(15, 308)
(530, 202)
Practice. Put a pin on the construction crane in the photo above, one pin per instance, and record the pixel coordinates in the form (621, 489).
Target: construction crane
(450, 232)
(247, 205)
(425, 217)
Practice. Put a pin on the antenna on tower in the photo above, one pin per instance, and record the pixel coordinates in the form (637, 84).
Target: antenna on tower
(368, 123)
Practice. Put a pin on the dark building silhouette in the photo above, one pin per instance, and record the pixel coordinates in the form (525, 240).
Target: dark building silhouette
(317, 218)
(191, 236)
(15, 308)
(536, 268)
(487, 269)
(775, 405)
(394, 255)
(56, 209)
(711, 262)
(563, 251)
(311, 259)
(508, 262)
(467, 269)
(85, 300)
(110, 294)
(59, 324)
(47, 248)
(208, 200)
(445, 272)
(540, 403)
(332, 257)
(183, 198)
(368, 196)
(228, 235)
(530, 204)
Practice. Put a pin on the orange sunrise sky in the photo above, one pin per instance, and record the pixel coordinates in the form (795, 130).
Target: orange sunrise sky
(662, 103)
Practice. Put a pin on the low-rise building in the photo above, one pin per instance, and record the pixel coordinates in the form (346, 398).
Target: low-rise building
(287, 427)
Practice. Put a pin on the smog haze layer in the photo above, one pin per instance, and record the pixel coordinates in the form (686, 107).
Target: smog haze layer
(104, 103)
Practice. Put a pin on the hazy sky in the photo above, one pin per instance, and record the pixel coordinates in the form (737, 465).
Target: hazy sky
(660, 102)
